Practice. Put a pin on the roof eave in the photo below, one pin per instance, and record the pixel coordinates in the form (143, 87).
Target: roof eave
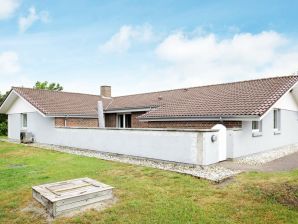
(72, 115)
(129, 110)
(202, 118)
(4, 107)
(4, 102)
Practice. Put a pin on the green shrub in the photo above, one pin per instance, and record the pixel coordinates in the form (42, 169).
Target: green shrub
(3, 128)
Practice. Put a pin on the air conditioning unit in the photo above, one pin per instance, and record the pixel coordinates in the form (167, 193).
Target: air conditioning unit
(26, 137)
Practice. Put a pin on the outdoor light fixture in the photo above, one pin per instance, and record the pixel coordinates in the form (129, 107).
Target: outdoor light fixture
(213, 138)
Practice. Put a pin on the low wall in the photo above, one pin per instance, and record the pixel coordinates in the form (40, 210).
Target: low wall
(183, 146)
(170, 145)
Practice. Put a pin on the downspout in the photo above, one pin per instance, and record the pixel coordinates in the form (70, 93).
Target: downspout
(101, 118)
(65, 121)
(220, 120)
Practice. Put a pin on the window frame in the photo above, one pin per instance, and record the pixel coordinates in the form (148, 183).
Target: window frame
(23, 116)
(124, 116)
(276, 121)
(258, 130)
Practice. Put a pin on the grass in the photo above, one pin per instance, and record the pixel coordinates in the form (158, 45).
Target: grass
(145, 195)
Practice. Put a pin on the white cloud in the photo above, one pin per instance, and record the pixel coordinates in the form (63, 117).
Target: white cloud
(9, 63)
(8, 7)
(197, 58)
(123, 39)
(26, 22)
(208, 59)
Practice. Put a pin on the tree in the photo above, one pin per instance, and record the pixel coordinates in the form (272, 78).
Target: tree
(48, 86)
(3, 117)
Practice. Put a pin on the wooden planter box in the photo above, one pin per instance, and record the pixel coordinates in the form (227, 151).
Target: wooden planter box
(62, 197)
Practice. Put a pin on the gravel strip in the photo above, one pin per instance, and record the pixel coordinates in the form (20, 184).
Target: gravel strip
(214, 173)
(265, 157)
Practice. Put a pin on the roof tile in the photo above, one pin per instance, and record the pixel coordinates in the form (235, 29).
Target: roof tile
(243, 98)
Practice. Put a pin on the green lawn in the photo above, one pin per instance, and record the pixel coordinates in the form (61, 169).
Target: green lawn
(145, 195)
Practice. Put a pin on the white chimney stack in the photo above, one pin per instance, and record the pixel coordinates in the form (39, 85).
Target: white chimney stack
(101, 117)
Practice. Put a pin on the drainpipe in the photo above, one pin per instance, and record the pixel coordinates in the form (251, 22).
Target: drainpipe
(220, 119)
(101, 118)
(65, 121)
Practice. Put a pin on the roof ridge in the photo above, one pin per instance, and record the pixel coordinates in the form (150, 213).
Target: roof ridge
(169, 90)
(46, 90)
(241, 98)
(209, 85)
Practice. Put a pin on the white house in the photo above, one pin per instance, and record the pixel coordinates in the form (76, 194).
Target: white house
(177, 125)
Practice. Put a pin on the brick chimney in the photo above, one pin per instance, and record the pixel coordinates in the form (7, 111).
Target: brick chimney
(106, 91)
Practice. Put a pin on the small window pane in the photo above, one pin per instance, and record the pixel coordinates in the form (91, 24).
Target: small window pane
(276, 119)
(24, 120)
(257, 126)
(120, 121)
(128, 120)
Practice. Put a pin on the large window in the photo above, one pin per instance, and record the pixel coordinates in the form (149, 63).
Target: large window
(24, 120)
(124, 121)
(276, 120)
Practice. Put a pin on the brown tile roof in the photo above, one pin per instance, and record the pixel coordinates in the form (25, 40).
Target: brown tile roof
(253, 97)
(245, 98)
(54, 103)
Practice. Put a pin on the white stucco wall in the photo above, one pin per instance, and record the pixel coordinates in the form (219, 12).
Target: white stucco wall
(222, 141)
(244, 143)
(14, 126)
(179, 146)
(287, 102)
(171, 146)
(210, 149)
(42, 126)
(21, 106)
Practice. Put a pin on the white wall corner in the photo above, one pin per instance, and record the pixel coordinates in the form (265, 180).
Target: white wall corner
(200, 149)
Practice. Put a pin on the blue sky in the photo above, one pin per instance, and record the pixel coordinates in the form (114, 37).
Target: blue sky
(140, 46)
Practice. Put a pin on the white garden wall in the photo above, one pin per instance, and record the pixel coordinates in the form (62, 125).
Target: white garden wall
(184, 146)
(163, 145)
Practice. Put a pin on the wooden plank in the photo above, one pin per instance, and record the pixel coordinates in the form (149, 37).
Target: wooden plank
(84, 197)
(82, 203)
(69, 188)
(75, 193)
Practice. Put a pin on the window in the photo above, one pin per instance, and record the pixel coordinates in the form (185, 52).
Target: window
(257, 128)
(24, 120)
(128, 120)
(276, 120)
(120, 121)
(124, 121)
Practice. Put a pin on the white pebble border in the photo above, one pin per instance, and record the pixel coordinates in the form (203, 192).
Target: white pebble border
(214, 173)
(265, 157)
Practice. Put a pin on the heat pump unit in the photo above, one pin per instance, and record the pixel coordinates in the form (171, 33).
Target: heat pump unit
(26, 137)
